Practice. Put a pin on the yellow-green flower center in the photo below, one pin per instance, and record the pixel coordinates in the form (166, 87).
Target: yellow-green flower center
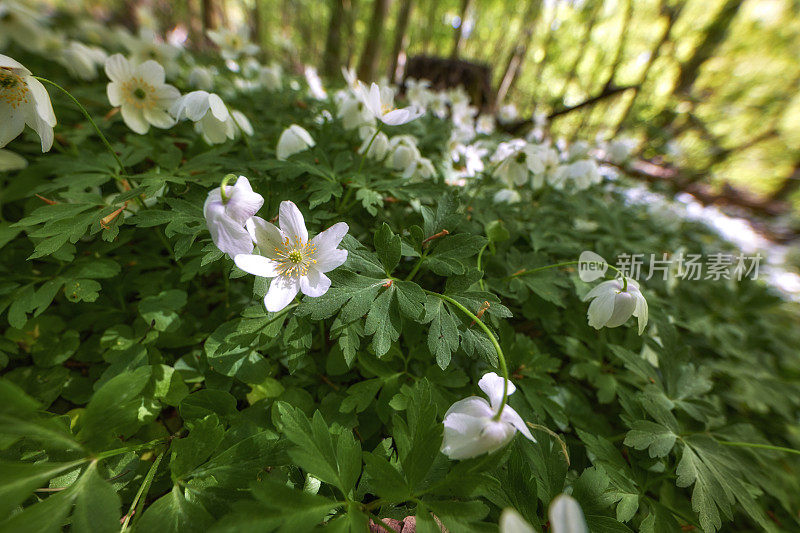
(294, 258)
(13, 89)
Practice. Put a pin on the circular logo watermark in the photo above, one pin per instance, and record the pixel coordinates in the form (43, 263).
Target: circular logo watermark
(591, 266)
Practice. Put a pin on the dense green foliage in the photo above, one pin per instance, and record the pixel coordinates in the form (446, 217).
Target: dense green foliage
(142, 377)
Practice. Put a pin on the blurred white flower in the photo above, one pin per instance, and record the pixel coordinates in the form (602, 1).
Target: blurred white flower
(294, 139)
(506, 196)
(81, 61)
(315, 88)
(233, 44)
(418, 92)
(242, 122)
(566, 516)
(209, 113)
(458, 96)
(380, 101)
(611, 306)
(619, 150)
(578, 150)
(485, 125)
(350, 78)
(202, 78)
(10, 161)
(352, 111)
(227, 217)
(564, 513)
(271, 77)
(21, 24)
(379, 146)
(141, 93)
(512, 522)
(149, 46)
(541, 160)
(403, 155)
(295, 263)
(23, 100)
(470, 428)
(507, 113)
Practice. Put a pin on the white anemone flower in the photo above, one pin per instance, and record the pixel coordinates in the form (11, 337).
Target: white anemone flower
(202, 78)
(612, 304)
(23, 100)
(140, 93)
(565, 516)
(233, 44)
(295, 263)
(209, 113)
(227, 217)
(380, 101)
(315, 88)
(81, 60)
(470, 428)
(21, 24)
(148, 46)
(271, 77)
(507, 113)
(403, 154)
(506, 196)
(376, 148)
(485, 124)
(293, 140)
(10, 161)
(352, 111)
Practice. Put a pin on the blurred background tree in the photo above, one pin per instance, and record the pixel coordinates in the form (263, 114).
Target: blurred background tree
(708, 87)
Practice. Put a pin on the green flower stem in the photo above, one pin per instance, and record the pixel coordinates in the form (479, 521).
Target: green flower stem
(141, 494)
(89, 118)
(417, 265)
(349, 193)
(119, 451)
(527, 271)
(225, 181)
(500, 357)
(364, 155)
(760, 446)
(480, 256)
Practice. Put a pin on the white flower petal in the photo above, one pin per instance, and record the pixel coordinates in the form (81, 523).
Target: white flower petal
(134, 119)
(12, 125)
(314, 284)
(566, 515)
(151, 72)
(158, 117)
(600, 310)
(118, 68)
(492, 385)
(512, 522)
(267, 236)
(282, 291)
(258, 265)
(292, 223)
(512, 417)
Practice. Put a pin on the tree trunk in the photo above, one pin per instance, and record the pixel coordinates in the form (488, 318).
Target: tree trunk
(332, 58)
(210, 20)
(370, 54)
(623, 39)
(257, 23)
(458, 42)
(400, 41)
(350, 14)
(518, 53)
